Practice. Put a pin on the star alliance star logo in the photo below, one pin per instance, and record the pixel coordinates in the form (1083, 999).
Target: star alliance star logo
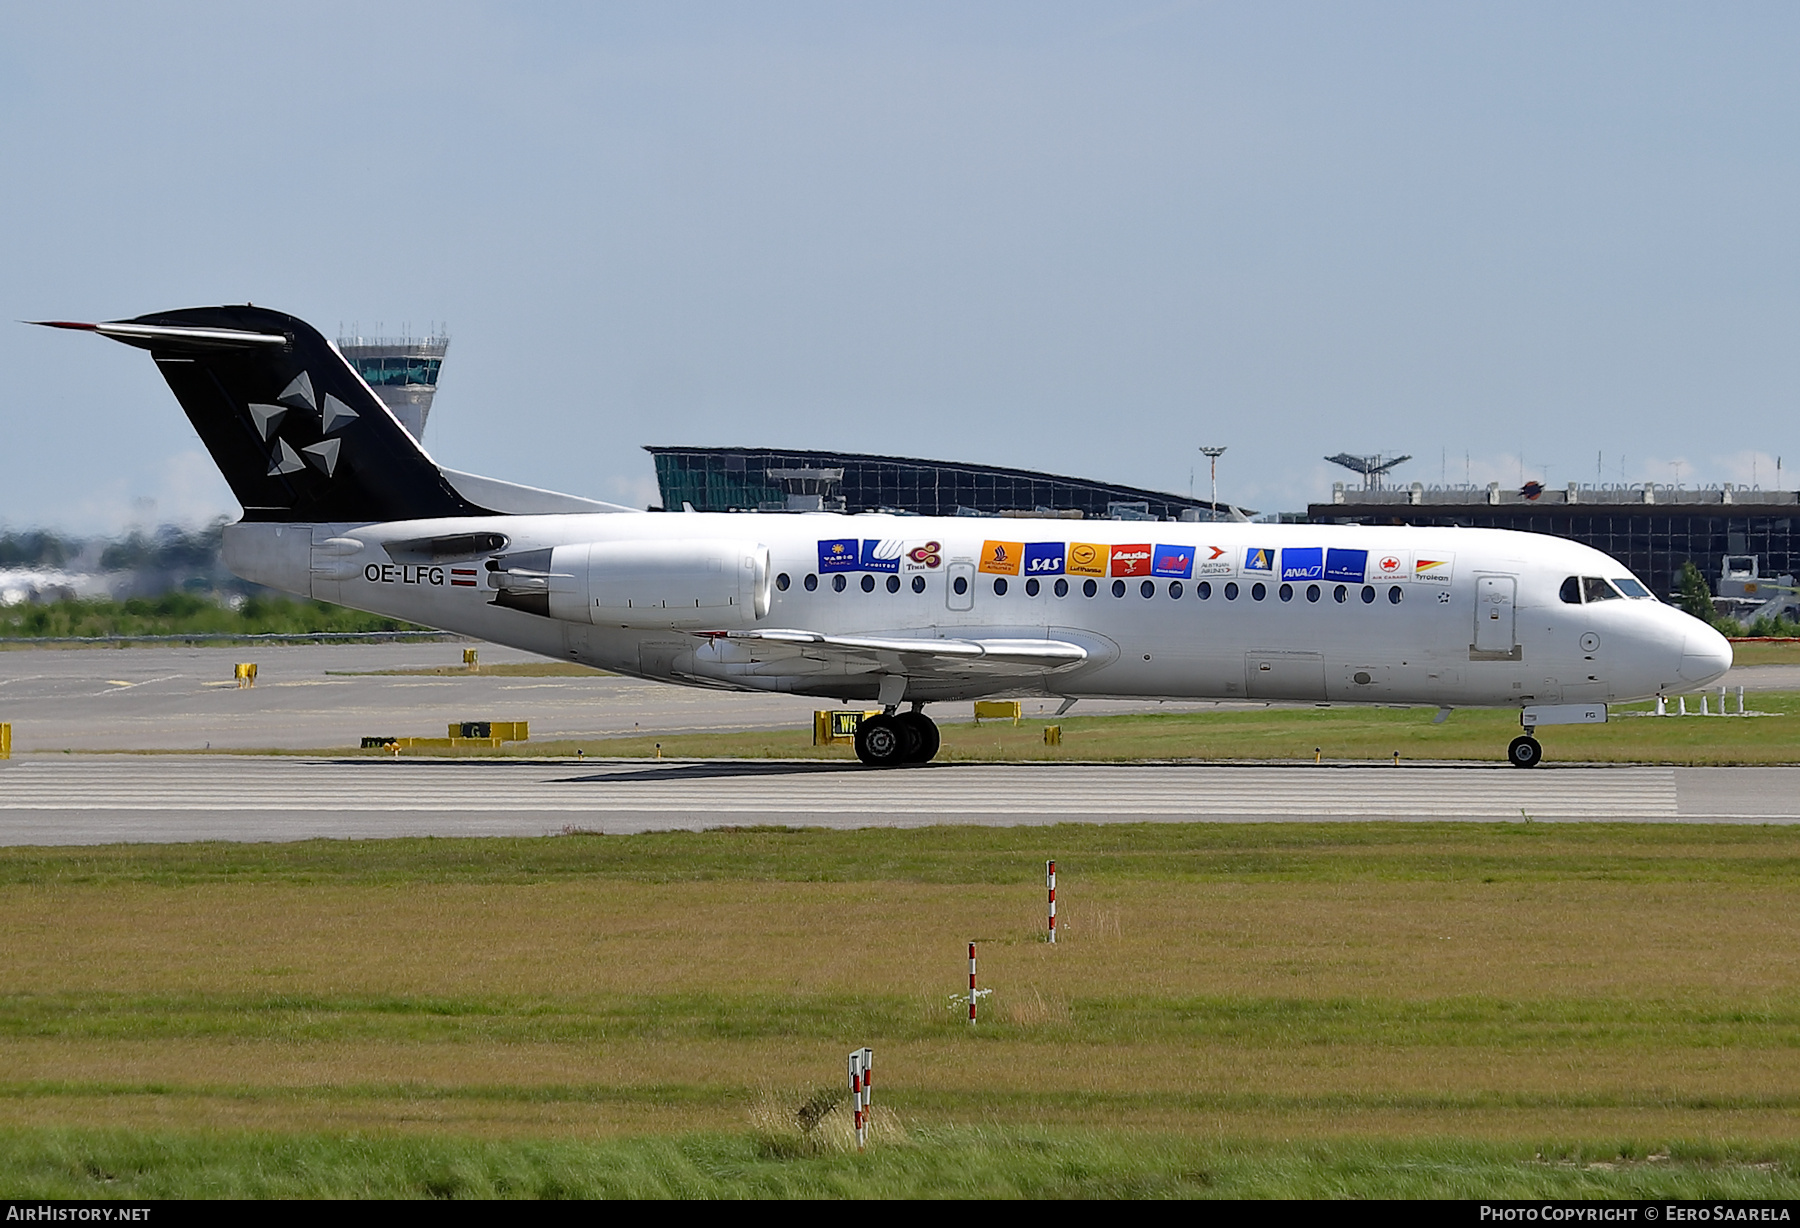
(298, 395)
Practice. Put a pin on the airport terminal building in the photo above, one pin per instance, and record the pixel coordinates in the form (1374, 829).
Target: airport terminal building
(773, 479)
(1652, 529)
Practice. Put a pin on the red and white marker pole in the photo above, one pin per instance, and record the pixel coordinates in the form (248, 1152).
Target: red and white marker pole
(856, 1093)
(1050, 883)
(971, 983)
(868, 1092)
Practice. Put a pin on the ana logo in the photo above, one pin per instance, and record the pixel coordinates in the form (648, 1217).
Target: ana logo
(1259, 560)
(1086, 559)
(1131, 560)
(1001, 558)
(925, 556)
(1043, 558)
(1304, 563)
(1175, 561)
(839, 554)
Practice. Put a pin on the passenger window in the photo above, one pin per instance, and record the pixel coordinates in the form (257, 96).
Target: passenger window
(960, 584)
(1368, 593)
(1571, 591)
(1175, 589)
(1312, 592)
(1340, 594)
(918, 584)
(837, 583)
(1062, 588)
(1118, 588)
(781, 581)
(1287, 592)
(1089, 588)
(811, 582)
(868, 584)
(1031, 587)
(1595, 589)
(1231, 591)
(1147, 589)
(999, 586)
(1203, 590)
(1258, 591)
(893, 585)
(1394, 595)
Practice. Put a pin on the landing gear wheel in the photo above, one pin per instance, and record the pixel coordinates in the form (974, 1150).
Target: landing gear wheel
(880, 742)
(921, 734)
(1524, 751)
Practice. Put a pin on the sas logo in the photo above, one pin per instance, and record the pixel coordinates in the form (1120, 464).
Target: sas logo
(1001, 558)
(1213, 561)
(1259, 560)
(1176, 561)
(883, 555)
(1390, 567)
(1044, 558)
(1131, 560)
(839, 554)
(1086, 559)
(1304, 563)
(922, 556)
(1433, 570)
(1346, 566)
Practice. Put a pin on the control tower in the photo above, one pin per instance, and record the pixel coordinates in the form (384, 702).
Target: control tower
(403, 371)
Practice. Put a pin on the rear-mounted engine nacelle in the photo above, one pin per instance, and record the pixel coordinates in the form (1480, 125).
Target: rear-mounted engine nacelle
(687, 583)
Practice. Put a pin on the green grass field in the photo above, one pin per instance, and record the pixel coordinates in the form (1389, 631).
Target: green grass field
(1286, 1009)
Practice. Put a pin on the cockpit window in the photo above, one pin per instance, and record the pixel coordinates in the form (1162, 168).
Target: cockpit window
(1630, 587)
(1593, 588)
(1571, 590)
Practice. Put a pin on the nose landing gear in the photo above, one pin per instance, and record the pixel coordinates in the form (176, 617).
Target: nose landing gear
(890, 740)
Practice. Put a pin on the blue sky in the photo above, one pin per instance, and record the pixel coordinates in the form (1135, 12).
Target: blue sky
(1514, 240)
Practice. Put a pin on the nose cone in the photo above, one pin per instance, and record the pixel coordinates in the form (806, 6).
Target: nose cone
(1705, 656)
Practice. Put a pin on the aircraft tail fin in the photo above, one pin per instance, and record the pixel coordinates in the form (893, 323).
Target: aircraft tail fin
(297, 433)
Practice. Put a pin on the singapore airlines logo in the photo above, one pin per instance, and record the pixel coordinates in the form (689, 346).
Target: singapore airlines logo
(299, 395)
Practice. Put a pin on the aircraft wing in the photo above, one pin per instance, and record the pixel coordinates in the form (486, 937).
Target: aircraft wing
(780, 651)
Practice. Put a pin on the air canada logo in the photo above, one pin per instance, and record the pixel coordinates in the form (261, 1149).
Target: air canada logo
(1390, 567)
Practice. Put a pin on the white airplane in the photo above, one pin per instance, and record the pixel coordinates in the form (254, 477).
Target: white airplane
(341, 504)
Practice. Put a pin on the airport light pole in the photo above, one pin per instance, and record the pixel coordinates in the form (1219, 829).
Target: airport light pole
(1212, 455)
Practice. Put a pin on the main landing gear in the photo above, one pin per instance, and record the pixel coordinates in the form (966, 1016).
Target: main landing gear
(1524, 751)
(891, 739)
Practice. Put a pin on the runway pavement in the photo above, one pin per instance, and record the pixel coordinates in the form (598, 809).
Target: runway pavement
(104, 798)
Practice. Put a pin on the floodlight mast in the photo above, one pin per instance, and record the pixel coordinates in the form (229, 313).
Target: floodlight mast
(1371, 467)
(1212, 455)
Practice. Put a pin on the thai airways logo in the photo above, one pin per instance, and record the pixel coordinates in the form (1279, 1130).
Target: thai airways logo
(1259, 560)
(1303, 563)
(1044, 558)
(883, 555)
(1213, 561)
(1346, 566)
(1131, 560)
(1001, 558)
(1086, 559)
(1175, 561)
(1433, 570)
(839, 554)
(923, 556)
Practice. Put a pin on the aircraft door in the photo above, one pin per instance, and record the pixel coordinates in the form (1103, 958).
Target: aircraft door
(1495, 629)
(959, 586)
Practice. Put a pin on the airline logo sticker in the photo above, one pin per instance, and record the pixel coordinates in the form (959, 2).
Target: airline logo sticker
(1086, 559)
(1433, 569)
(1305, 563)
(1044, 558)
(922, 556)
(1346, 566)
(1214, 561)
(1131, 560)
(1176, 561)
(883, 555)
(1259, 560)
(1001, 558)
(1390, 568)
(838, 554)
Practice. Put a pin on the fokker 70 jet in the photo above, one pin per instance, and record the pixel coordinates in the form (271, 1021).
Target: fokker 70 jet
(343, 505)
